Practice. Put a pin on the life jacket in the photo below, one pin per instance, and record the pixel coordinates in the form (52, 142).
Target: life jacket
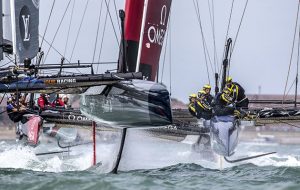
(238, 92)
(203, 109)
(43, 102)
(192, 109)
(203, 104)
(58, 102)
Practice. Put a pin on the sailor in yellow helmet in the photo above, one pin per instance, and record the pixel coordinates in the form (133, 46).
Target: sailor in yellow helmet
(224, 104)
(207, 90)
(238, 93)
(192, 109)
(203, 107)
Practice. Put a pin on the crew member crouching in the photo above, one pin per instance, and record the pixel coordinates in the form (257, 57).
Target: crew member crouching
(223, 104)
(203, 106)
(238, 93)
(14, 113)
(192, 108)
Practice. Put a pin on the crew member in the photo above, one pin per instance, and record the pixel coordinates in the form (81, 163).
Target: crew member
(203, 106)
(43, 102)
(223, 104)
(58, 102)
(192, 109)
(238, 93)
(13, 112)
(65, 100)
(207, 90)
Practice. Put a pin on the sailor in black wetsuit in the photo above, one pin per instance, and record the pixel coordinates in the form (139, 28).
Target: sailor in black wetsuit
(203, 106)
(223, 104)
(207, 89)
(238, 93)
(192, 109)
(13, 112)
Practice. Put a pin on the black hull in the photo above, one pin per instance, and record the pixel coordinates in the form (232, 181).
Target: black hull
(135, 103)
(224, 134)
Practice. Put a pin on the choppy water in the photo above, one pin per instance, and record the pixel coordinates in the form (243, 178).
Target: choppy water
(166, 165)
(181, 176)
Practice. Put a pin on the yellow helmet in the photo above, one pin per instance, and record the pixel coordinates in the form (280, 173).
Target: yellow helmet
(227, 95)
(201, 93)
(207, 86)
(193, 95)
(229, 79)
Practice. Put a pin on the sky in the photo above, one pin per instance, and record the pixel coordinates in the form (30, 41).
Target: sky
(261, 55)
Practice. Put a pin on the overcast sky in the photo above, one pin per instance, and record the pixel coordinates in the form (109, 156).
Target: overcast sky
(260, 58)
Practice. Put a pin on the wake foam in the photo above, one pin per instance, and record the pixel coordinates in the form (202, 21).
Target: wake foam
(24, 157)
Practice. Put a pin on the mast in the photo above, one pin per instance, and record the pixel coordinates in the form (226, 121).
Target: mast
(225, 63)
(123, 68)
(138, 61)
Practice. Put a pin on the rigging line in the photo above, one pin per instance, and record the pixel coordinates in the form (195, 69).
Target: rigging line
(2, 98)
(165, 49)
(297, 71)
(291, 87)
(112, 23)
(170, 54)
(79, 29)
(47, 24)
(164, 59)
(203, 44)
(60, 23)
(237, 34)
(116, 10)
(55, 49)
(103, 34)
(291, 58)
(97, 35)
(211, 16)
(228, 27)
(204, 41)
(69, 29)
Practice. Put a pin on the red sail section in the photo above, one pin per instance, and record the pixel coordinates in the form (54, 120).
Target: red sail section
(154, 33)
(133, 21)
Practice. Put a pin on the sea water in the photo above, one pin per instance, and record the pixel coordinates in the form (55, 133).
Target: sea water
(150, 163)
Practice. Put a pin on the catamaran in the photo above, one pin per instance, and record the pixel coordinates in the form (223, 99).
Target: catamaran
(128, 98)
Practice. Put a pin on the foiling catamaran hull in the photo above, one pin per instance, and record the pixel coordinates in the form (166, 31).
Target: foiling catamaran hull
(224, 134)
(128, 104)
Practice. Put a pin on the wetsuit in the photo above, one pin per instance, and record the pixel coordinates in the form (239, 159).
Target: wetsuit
(239, 97)
(192, 109)
(203, 109)
(221, 107)
(13, 115)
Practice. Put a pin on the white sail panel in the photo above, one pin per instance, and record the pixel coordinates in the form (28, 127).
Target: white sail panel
(25, 28)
